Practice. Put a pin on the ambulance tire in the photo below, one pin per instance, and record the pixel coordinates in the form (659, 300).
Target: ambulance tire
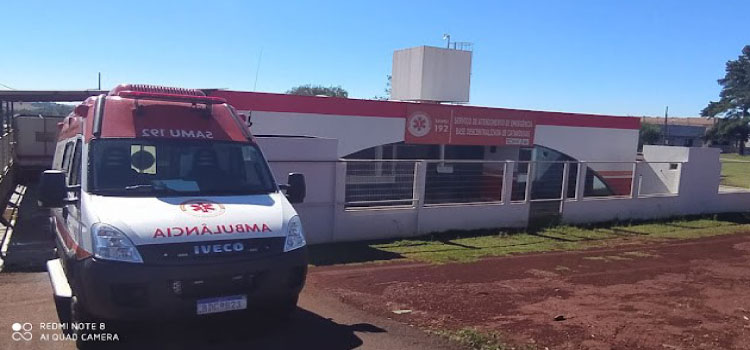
(79, 315)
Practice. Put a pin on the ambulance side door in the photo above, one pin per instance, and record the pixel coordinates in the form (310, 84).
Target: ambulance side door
(59, 215)
(73, 217)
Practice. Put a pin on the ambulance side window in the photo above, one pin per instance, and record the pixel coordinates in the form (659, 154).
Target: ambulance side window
(74, 174)
(66, 157)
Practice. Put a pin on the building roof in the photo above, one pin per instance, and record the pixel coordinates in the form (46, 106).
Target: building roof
(696, 121)
(269, 102)
(675, 130)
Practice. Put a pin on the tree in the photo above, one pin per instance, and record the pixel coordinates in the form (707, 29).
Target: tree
(733, 103)
(387, 90)
(649, 134)
(318, 90)
(728, 131)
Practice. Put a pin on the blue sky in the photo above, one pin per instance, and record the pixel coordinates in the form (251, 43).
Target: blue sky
(606, 57)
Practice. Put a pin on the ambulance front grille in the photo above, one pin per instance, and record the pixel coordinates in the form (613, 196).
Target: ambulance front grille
(211, 251)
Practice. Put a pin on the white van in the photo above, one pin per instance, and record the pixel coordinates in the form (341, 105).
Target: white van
(164, 207)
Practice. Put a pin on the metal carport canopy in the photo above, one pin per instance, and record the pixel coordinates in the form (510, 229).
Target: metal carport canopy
(47, 95)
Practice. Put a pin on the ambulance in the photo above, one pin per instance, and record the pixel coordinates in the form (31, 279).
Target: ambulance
(163, 206)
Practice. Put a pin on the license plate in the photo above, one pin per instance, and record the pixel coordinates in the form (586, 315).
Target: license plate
(221, 304)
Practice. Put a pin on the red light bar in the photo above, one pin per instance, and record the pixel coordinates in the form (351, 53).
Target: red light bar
(160, 96)
(155, 89)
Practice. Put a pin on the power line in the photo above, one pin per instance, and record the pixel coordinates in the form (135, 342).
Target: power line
(6, 86)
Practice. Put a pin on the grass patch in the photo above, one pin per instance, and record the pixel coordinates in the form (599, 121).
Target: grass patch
(467, 246)
(479, 340)
(735, 174)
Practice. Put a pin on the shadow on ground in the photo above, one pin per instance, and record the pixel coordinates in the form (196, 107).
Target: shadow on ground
(31, 242)
(347, 253)
(305, 330)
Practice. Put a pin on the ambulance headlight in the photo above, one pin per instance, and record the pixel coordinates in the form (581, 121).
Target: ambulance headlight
(295, 238)
(111, 244)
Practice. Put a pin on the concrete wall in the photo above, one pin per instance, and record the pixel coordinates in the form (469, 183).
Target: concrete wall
(316, 158)
(691, 188)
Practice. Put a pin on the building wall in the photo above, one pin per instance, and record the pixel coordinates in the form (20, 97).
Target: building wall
(428, 73)
(691, 188)
(354, 133)
(589, 144)
(316, 159)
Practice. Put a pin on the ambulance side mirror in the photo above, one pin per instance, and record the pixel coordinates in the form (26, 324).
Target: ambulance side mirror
(53, 191)
(296, 189)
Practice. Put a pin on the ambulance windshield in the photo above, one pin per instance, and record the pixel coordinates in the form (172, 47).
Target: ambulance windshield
(136, 167)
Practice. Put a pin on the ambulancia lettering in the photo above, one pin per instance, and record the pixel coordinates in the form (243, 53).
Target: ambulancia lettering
(218, 248)
(177, 231)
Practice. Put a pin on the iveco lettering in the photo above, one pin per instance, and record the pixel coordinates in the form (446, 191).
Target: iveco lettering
(164, 207)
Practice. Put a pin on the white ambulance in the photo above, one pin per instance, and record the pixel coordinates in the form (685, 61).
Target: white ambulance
(164, 207)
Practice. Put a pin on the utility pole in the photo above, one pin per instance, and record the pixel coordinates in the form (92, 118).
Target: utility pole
(100, 81)
(666, 126)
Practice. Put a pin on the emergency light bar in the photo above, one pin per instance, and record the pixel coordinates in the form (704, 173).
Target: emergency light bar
(209, 100)
(164, 93)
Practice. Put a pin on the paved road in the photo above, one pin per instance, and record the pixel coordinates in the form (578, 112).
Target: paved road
(321, 322)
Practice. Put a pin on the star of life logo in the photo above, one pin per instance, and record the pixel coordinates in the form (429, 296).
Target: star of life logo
(419, 124)
(202, 208)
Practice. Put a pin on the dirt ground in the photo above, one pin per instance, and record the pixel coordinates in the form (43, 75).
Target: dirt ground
(676, 295)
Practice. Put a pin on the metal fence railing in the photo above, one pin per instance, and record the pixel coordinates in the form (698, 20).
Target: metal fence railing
(463, 182)
(380, 183)
(608, 179)
(6, 152)
(387, 183)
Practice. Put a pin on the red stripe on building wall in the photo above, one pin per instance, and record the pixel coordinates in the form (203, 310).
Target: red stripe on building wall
(257, 101)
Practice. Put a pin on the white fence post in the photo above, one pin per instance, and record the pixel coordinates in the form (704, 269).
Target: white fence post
(507, 189)
(339, 205)
(581, 180)
(564, 185)
(635, 186)
(420, 178)
(529, 180)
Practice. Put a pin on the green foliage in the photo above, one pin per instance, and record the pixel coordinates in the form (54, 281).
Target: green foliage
(46, 108)
(387, 90)
(729, 131)
(468, 246)
(649, 134)
(318, 90)
(475, 339)
(733, 103)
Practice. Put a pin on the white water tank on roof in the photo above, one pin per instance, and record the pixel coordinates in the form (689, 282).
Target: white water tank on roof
(434, 74)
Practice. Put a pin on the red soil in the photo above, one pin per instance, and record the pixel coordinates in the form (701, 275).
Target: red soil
(677, 295)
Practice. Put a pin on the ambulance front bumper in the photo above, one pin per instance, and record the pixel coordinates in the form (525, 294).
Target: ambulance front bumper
(127, 291)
